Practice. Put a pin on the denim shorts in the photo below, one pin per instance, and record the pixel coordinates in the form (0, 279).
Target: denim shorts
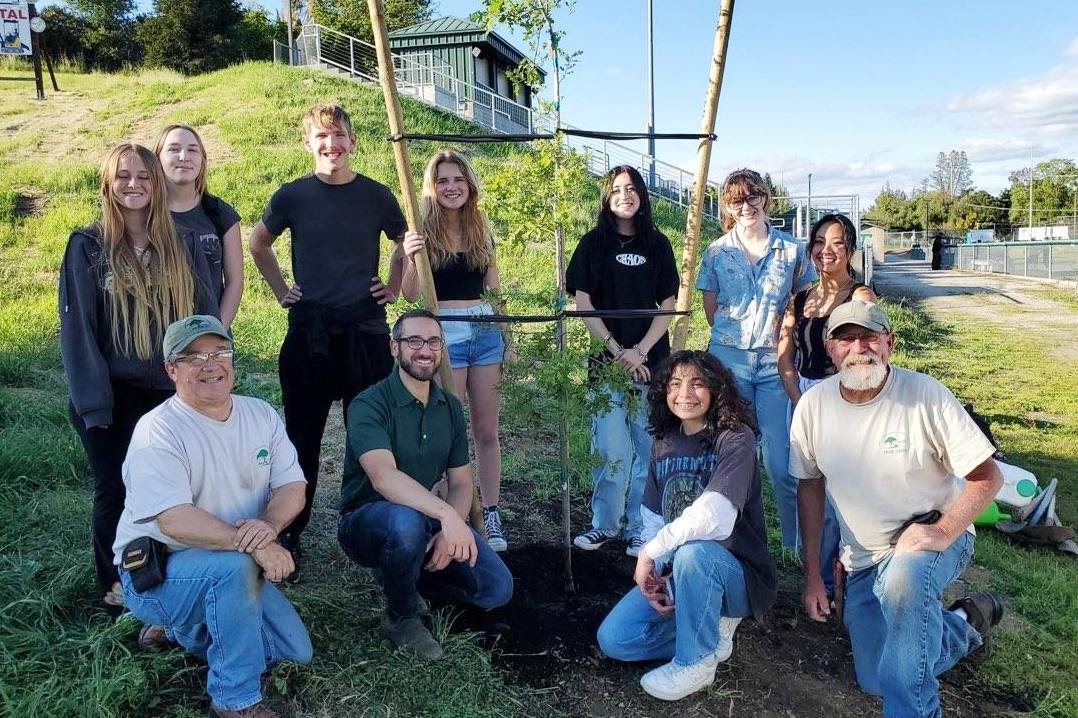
(472, 343)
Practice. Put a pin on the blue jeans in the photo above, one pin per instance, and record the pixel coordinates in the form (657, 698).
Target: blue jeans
(901, 636)
(757, 377)
(393, 538)
(708, 583)
(217, 606)
(623, 445)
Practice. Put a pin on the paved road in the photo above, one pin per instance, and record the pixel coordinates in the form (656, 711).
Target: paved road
(916, 280)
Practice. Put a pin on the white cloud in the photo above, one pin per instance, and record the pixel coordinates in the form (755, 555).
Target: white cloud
(1048, 103)
(989, 150)
(1071, 49)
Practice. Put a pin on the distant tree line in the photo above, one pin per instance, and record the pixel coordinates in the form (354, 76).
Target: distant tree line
(946, 198)
(194, 36)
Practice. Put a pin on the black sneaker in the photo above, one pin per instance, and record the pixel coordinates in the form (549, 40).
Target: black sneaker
(593, 539)
(495, 532)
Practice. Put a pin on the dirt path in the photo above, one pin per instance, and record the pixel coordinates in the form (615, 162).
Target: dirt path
(1003, 300)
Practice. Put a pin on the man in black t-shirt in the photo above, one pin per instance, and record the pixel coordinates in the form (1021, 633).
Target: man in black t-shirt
(337, 342)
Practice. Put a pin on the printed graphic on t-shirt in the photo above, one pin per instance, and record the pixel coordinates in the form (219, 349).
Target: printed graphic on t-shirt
(895, 443)
(682, 480)
(631, 259)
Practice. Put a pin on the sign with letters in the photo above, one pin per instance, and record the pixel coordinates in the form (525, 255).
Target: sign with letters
(15, 28)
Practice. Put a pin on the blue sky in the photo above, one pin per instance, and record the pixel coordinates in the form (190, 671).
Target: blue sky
(858, 93)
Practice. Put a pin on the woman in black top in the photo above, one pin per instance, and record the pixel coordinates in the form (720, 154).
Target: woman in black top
(623, 263)
(802, 356)
(207, 221)
(460, 246)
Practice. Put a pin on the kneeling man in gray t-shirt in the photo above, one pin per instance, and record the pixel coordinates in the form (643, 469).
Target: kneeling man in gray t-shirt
(907, 471)
(211, 481)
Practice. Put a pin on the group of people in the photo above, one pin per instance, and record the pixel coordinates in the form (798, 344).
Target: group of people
(201, 496)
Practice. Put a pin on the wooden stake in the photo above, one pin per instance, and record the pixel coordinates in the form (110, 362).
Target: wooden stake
(411, 205)
(703, 162)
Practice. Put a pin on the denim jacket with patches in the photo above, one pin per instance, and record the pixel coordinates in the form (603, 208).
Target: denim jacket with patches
(751, 298)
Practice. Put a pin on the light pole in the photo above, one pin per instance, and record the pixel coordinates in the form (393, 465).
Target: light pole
(651, 100)
(808, 211)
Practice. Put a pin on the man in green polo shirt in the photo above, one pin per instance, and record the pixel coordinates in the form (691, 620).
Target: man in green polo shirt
(404, 434)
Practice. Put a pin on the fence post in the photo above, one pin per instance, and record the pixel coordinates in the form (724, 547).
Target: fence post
(351, 56)
(1025, 261)
(1051, 247)
(1006, 258)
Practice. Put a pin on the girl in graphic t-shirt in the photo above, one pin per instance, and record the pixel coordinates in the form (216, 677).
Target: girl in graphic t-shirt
(460, 246)
(209, 221)
(625, 262)
(705, 564)
(802, 356)
(122, 281)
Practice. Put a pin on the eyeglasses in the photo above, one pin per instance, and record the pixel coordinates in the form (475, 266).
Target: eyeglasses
(200, 358)
(753, 199)
(846, 340)
(415, 342)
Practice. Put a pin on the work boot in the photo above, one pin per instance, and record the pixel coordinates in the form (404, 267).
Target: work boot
(983, 610)
(410, 635)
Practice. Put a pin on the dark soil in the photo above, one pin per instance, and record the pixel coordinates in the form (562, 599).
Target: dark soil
(545, 639)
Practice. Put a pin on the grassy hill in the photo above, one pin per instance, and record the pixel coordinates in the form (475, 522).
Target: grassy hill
(61, 656)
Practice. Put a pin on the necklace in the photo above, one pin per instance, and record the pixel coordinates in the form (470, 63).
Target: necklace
(625, 242)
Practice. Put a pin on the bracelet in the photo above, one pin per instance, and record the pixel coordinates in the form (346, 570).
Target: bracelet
(607, 338)
(642, 355)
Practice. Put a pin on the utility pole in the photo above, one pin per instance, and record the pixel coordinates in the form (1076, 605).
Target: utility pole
(1031, 191)
(651, 99)
(288, 14)
(808, 211)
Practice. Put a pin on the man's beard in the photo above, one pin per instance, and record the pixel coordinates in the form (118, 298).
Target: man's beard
(860, 376)
(419, 373)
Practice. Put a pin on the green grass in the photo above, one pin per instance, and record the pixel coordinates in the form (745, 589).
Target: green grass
(60, 656)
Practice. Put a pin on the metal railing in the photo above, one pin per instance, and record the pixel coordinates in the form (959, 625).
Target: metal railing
(432, 82)
(1043, 260)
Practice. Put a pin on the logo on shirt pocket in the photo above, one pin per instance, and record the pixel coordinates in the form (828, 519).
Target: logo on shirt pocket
(895, 443)
(262, 457)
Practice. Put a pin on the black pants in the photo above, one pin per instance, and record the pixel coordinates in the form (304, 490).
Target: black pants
(311, 380)
(106, 448)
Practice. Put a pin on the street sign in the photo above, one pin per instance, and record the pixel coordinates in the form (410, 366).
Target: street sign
(15, 28)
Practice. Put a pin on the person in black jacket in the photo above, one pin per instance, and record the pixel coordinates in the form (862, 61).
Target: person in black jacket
(122, 281)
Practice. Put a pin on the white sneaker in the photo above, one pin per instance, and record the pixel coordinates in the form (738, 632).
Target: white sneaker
(672, 681)
(727, 626)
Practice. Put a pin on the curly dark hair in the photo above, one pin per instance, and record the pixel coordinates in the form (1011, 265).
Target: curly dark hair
(727, 411)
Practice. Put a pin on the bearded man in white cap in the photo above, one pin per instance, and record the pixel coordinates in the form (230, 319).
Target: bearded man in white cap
(907, 471)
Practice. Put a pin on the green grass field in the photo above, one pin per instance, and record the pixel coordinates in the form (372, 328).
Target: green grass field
(61, 656)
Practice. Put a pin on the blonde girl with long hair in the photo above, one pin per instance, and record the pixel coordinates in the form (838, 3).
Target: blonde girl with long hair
(122, 281)
(204, 219)
(459, 243)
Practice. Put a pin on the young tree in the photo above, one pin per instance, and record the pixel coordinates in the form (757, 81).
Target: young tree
(255, 34)
(780, 195)
(192, 36)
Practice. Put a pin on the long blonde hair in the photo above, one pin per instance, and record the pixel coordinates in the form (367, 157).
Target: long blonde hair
(159, 146)
(144, 298)
(476, 239)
